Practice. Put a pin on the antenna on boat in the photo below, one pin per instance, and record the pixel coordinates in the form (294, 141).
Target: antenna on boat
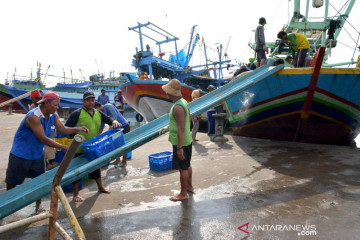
(64, 74)
(225, 53)
(47, 70)
(72, 78)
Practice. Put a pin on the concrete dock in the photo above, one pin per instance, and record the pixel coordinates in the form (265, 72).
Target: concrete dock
(268, 189)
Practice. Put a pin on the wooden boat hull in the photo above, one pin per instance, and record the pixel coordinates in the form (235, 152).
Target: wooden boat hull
(148, 98)
(272, 109)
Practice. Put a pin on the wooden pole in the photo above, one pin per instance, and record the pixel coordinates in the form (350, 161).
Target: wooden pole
(78, 139)
(24, 222)
(70, 214)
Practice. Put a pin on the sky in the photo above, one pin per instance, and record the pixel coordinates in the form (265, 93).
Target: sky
(93, 35)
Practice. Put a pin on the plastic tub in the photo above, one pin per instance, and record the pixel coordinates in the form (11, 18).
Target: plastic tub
(103, 144)
(160, 161)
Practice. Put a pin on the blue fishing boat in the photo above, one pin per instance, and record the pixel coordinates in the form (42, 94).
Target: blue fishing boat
(316, 105)
(146, 96)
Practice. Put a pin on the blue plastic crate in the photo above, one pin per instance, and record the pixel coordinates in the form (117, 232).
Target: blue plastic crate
(160, 161)
(59, 156)
(103, 144)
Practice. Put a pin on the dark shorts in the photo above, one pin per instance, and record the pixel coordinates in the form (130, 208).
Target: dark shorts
(260, 54)
(126, 129)
(182, 164)
(20, 168)
(93, 175)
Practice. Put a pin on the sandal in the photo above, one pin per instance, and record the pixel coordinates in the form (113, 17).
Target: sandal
(39, 210)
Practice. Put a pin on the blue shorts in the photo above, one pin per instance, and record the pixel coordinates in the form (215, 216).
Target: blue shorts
(20, 168)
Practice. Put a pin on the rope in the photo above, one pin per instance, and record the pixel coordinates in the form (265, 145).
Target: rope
(338, 12)
(350, 35)
(356, 46)
(346, 19)
(345, 45)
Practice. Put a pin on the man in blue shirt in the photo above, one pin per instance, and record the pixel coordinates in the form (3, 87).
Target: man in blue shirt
(26, 158)
(110, 110)
(103, 99)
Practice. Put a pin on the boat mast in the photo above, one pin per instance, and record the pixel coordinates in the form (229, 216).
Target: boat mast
(220, 68)
(192, 46)
(323, 41)
(206, 60)
(307, 10)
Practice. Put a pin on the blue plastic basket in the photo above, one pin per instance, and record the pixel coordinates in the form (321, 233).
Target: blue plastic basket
(160, 161)
(103, 144)
(59, 156)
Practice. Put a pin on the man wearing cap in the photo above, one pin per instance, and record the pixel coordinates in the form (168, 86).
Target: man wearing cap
(35, 97)
(211, 88)
(110, 110)
(260, 47)
(180, 137)
(103, 98)
(298, 46)
(26, 158)
(91, 118)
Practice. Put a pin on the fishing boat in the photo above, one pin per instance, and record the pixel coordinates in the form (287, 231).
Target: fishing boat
(314, 105)
(146, 96)
(70, 93)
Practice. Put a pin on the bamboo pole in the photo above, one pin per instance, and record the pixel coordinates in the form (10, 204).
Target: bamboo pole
(24, 222)
(61, 231)
(70, 214)
(70, 153)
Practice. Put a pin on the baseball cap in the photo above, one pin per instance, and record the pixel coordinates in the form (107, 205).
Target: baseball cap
(35, 94)
(210, 87)
(49, 96)
(88, 94)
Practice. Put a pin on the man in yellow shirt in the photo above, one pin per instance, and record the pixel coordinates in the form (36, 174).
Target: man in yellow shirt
(298, 46)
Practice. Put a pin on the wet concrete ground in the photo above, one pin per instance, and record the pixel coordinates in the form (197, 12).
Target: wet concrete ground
(278, 188)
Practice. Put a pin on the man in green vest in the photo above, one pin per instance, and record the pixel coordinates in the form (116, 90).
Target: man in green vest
(91, 118)
(180, 138)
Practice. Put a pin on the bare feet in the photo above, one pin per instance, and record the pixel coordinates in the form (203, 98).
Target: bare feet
(191, 190)
(104, 190)
(78, 198)
(179, 197)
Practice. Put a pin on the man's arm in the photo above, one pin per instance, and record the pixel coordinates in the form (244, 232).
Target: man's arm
(109, 121)
(68, 130)
(34, 124)
(292, 40)
(179, 114)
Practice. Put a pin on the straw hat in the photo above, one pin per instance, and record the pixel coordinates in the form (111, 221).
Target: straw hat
(195, 94)
(173, 88)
